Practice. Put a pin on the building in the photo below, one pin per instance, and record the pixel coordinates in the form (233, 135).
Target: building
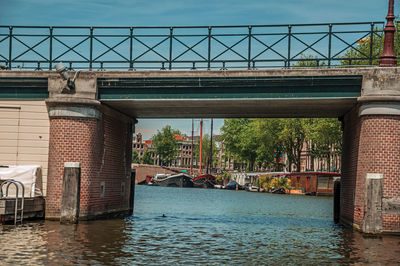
(313, 183)
(184, 158)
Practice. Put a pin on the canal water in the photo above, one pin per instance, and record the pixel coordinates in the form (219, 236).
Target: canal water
(202, 227)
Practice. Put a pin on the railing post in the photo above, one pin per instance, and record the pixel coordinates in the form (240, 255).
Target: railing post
(91, 49)
(397, 37)
(289, 45)
(249, 50)
(330, 46)
(371, 44)
(388, 59)
(209, 49)
(131, 48)
(10, 48)
(51, 49)
(171, 32)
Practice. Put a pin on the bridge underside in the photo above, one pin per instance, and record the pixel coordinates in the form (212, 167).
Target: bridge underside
(224, 97)
(249, 108)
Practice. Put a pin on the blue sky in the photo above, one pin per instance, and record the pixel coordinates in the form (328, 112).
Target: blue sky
(190, 13)
(187, 12)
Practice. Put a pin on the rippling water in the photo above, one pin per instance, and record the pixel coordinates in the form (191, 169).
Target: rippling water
(202, 227)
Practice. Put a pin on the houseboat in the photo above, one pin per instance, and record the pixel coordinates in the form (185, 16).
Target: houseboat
(178, 180)
(312, 183)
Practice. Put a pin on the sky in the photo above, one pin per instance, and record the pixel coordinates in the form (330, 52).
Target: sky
(187, 13)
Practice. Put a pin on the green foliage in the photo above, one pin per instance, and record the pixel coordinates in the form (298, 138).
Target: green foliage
(266, 132)
(292, 137)
(224, 176)
(258, 140)
(269, 183)
(239, 138)
(205, 151)
(135, 156)
(146, 159)
(325, 137)
(165, 145)
(364, 49)
(308, 61)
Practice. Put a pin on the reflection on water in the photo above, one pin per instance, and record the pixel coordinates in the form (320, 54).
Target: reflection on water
(202, 227)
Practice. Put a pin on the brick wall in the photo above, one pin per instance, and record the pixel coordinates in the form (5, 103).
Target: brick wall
(380, 153)
(351, 139)
(104, 149)
(371, 144)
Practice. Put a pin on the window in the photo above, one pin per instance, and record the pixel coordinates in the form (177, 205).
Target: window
(323, 182)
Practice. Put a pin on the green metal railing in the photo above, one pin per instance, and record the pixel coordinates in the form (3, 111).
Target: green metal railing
(201, 47)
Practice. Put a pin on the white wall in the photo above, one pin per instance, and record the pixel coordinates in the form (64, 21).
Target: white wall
(24, 134)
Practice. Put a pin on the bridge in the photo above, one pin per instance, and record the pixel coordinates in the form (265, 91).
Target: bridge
(84, 118)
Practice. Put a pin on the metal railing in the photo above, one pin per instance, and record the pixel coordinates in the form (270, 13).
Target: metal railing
(17, 184)
(200, 47)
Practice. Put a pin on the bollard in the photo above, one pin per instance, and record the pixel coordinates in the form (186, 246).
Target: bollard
(71, 193)
(132, 191)
(336, 201)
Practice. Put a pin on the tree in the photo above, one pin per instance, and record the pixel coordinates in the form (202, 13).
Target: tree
(205, 151)
(366, 49)
(135, 156)
(267, 137)
(325, 135)
(291, 138)
(261, 140)
(146, 159)
(239, 140)
(165, 145)
(308, 61)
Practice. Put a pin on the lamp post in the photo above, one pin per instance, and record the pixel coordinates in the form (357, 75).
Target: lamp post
(388, 58)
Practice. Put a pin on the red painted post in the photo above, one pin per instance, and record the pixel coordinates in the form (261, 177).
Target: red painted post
(201, 142)
(388, 58)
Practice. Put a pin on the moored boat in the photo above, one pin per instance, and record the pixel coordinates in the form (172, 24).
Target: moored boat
(204, 181)
(177, 180)
(233, 185)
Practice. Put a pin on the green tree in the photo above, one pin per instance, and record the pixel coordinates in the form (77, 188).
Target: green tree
(205, 151)
(363, 50)
(135, 156)
(165, 145)
(267, 137)
(146, 159)
(308, 61)
(292, 137)
(325, 137)
(239, 140)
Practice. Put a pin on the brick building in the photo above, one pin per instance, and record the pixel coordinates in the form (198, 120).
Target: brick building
(184, 158)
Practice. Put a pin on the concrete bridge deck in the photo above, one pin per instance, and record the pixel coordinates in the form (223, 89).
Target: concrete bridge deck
(184, 94)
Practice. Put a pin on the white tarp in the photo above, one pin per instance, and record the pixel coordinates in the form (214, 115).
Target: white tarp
(29, 175)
